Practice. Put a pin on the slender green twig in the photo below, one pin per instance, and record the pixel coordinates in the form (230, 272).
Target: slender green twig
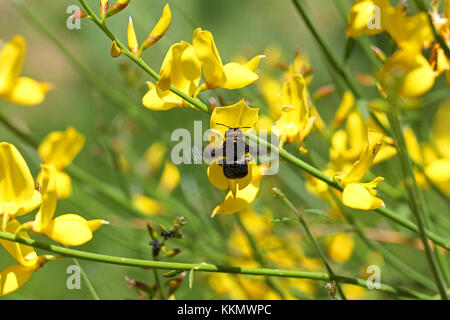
(391, 258)
(311, 238)
(204, 267)
(86, 280)
(415, 199)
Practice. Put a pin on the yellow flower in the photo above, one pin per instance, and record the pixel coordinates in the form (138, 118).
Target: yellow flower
(13, 277)
(67, 229)
(170, 178)
(21, 90)
(230, 76)
(18, 195)
(409, 71)
(59, 149)
(243, 190)
(180, 69)
(340, 247)
(360, 195)
(295, 122)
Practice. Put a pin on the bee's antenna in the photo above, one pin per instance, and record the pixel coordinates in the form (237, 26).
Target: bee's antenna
(221, 124)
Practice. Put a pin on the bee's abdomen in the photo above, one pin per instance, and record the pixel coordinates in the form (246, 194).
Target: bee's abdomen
(235, 170)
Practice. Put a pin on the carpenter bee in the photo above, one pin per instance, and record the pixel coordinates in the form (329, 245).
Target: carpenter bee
(233, 154)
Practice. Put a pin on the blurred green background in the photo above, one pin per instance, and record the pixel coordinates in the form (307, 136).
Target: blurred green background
(239, 28)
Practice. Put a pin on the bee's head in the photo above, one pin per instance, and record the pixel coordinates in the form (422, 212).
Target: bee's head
(233, 132)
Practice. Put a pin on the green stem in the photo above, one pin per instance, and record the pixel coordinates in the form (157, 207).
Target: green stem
(316, 245)
(416, 200)
(204, 267)
(86, 280)
(391, 258)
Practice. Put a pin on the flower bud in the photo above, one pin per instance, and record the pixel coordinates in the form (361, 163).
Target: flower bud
(132, 39)
(116, 8)
(103, 8)
(115, 50)
(159, 30)
(378, 53)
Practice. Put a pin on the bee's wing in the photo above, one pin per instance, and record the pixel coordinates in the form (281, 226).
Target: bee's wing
(197, 155)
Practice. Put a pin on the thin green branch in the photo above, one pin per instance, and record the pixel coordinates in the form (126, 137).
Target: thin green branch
(205, 267)
(311, 238)
(416, 200)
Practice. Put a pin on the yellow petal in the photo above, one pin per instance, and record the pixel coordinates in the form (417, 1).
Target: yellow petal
(207, 53)
(357, 196)
(170, 178)
(11, 60)
(413, 146)
(346, 106)
(147, 205)
(17, 190)
(160, 28)
(63, 185)
(411, 70)
(238, 76)
(59, 148)
(366, 159)
(69, 229)
(243, 197)
(47, 181)
(439, 170)
(238, 115)
(441, 130)
(28, 92)
(14, 277)
(24, 255)
(153, 101)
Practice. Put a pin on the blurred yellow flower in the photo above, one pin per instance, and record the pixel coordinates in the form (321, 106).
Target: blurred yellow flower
(229, 76)
(154, 155)
(14, 277)
(340, 247)
(59, 148)
(181, 69)
(18, 195)
(20, 90)
(170, 178)
(409, 71)
(435, 158)
(147, 205)
(295, 122)
(360, 195)
(67, 229)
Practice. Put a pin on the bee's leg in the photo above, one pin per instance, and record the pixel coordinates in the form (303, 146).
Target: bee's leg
(254, 151)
